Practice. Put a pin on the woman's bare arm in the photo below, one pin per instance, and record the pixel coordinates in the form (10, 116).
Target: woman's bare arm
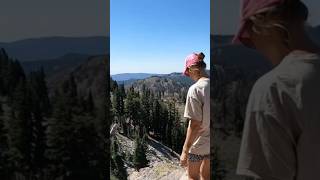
(193, 131)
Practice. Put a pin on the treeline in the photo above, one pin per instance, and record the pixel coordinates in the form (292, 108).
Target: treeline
(231, 89)
(143, 113)
(47, 138)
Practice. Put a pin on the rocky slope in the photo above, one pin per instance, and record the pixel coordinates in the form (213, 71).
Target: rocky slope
(163, 162)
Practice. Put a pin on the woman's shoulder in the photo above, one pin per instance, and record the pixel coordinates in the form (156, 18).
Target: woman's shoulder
(199, 86)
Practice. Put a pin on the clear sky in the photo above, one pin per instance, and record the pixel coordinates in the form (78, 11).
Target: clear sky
(155, 36)
(21, 19)
(225, 15)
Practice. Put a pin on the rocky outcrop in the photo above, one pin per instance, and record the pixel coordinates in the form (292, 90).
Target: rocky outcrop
(163, 162)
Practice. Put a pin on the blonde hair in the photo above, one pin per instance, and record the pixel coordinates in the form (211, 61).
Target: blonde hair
(281, 17)
(200, 65)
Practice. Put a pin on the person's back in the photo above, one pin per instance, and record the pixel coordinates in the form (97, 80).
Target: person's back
(200, 91)
(282, 128)
(195, 155)
(307, 70)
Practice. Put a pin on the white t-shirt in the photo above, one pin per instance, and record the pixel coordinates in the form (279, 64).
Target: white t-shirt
(281, 136)
(198, 108)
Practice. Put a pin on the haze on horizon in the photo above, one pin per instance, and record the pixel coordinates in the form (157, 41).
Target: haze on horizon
(157, 73)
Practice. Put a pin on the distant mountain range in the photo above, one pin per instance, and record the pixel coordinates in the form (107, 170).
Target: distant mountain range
(132, 76)
(55, 47)
(164, 82)
(52, 66)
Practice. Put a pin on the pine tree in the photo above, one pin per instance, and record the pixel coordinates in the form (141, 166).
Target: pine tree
(3, 68)
(140, 158)
(118, 103)
(164, 125)
(11, 73)
(156, 118)
(117, 164)
(145, 108)
(40, 109)
(88, 150)
(40, 90)
(76, 146)
(60, 137)
(133, 109)
(4, 169)
(122, 90)
(90, 104)
(20, 132)
(70, 92)
(170, 125)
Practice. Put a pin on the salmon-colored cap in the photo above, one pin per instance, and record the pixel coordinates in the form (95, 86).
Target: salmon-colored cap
(191, 59)
(249, 8)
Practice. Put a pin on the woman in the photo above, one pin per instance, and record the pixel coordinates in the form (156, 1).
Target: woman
(282, 127)
(196, 150)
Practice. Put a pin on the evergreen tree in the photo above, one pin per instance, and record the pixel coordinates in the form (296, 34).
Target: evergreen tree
(164, 124)
(40, 108)
(118, 104)
(4, 169)
(156, 117)
(70, 93)
(133, 109)
(40, 91)
(87, 104)
(178, 133)
(87, 153)
(76, 147)
(11, 74)
(145, 108)
(60, 137)
(169, 127)
(113, 85)
(90, 104)
(20, 132)
(117, 164)
(140, 158)
(4, 61)
(122, 91)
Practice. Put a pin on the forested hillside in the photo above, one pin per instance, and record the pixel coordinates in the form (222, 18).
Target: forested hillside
(234, 72)
(48, 137)
(142, 114)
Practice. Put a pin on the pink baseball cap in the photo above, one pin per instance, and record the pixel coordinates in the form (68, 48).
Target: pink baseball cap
(249, 8)
(191, 59)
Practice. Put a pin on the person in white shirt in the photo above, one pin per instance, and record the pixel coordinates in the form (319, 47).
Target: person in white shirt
(282, 126)
(196, 150)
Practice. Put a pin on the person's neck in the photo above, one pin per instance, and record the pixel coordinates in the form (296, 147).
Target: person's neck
(299, 43)
(202, 77)
(276, 55)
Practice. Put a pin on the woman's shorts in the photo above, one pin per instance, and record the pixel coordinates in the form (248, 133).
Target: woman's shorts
(197, 158)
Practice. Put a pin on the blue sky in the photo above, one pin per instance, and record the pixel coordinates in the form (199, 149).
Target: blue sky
(155, 36)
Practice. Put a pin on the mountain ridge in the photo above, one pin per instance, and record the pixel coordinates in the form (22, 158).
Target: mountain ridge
(53, 47)
(132, 76)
